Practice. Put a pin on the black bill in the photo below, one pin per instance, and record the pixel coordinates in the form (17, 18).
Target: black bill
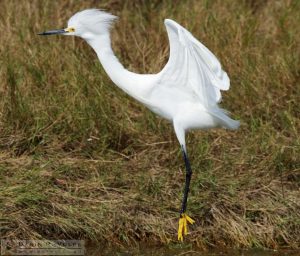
(53, 32)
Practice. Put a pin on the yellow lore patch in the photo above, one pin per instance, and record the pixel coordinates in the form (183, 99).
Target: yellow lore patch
(70, 29)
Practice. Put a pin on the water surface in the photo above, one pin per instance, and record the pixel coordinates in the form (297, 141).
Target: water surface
(166, 251)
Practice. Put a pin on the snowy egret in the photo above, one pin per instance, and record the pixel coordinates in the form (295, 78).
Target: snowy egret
(186, 91)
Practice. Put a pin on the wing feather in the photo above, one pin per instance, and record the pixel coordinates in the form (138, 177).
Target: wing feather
(192, 66)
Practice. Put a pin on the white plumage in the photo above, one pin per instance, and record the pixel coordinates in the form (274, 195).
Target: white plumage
(186, 91)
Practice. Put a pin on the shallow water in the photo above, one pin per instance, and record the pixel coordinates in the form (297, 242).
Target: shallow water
(165, 251)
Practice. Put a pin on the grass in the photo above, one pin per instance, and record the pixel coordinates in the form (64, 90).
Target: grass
(79, 159)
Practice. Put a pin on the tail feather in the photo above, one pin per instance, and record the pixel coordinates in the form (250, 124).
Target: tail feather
(225, 120)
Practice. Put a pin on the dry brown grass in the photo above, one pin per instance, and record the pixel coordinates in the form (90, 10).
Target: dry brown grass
(80, 159)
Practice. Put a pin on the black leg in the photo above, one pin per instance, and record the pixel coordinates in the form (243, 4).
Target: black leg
(188, 177)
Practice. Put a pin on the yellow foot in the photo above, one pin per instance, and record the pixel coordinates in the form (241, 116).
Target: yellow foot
(183, 222)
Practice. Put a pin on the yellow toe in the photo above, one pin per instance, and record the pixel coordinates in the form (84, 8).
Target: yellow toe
(183, 223)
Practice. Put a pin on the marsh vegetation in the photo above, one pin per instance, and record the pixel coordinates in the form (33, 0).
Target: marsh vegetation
(79, 159)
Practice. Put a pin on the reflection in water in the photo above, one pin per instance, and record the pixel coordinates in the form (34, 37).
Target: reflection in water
(180, 251)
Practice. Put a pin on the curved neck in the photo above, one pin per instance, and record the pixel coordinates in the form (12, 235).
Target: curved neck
(123, 78)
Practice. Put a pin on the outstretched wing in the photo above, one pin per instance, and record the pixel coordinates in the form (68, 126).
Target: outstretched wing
(192, 67)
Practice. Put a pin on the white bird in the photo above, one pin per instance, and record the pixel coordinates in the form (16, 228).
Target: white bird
(186, 91)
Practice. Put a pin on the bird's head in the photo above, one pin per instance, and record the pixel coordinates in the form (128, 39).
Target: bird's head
(86, 24)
